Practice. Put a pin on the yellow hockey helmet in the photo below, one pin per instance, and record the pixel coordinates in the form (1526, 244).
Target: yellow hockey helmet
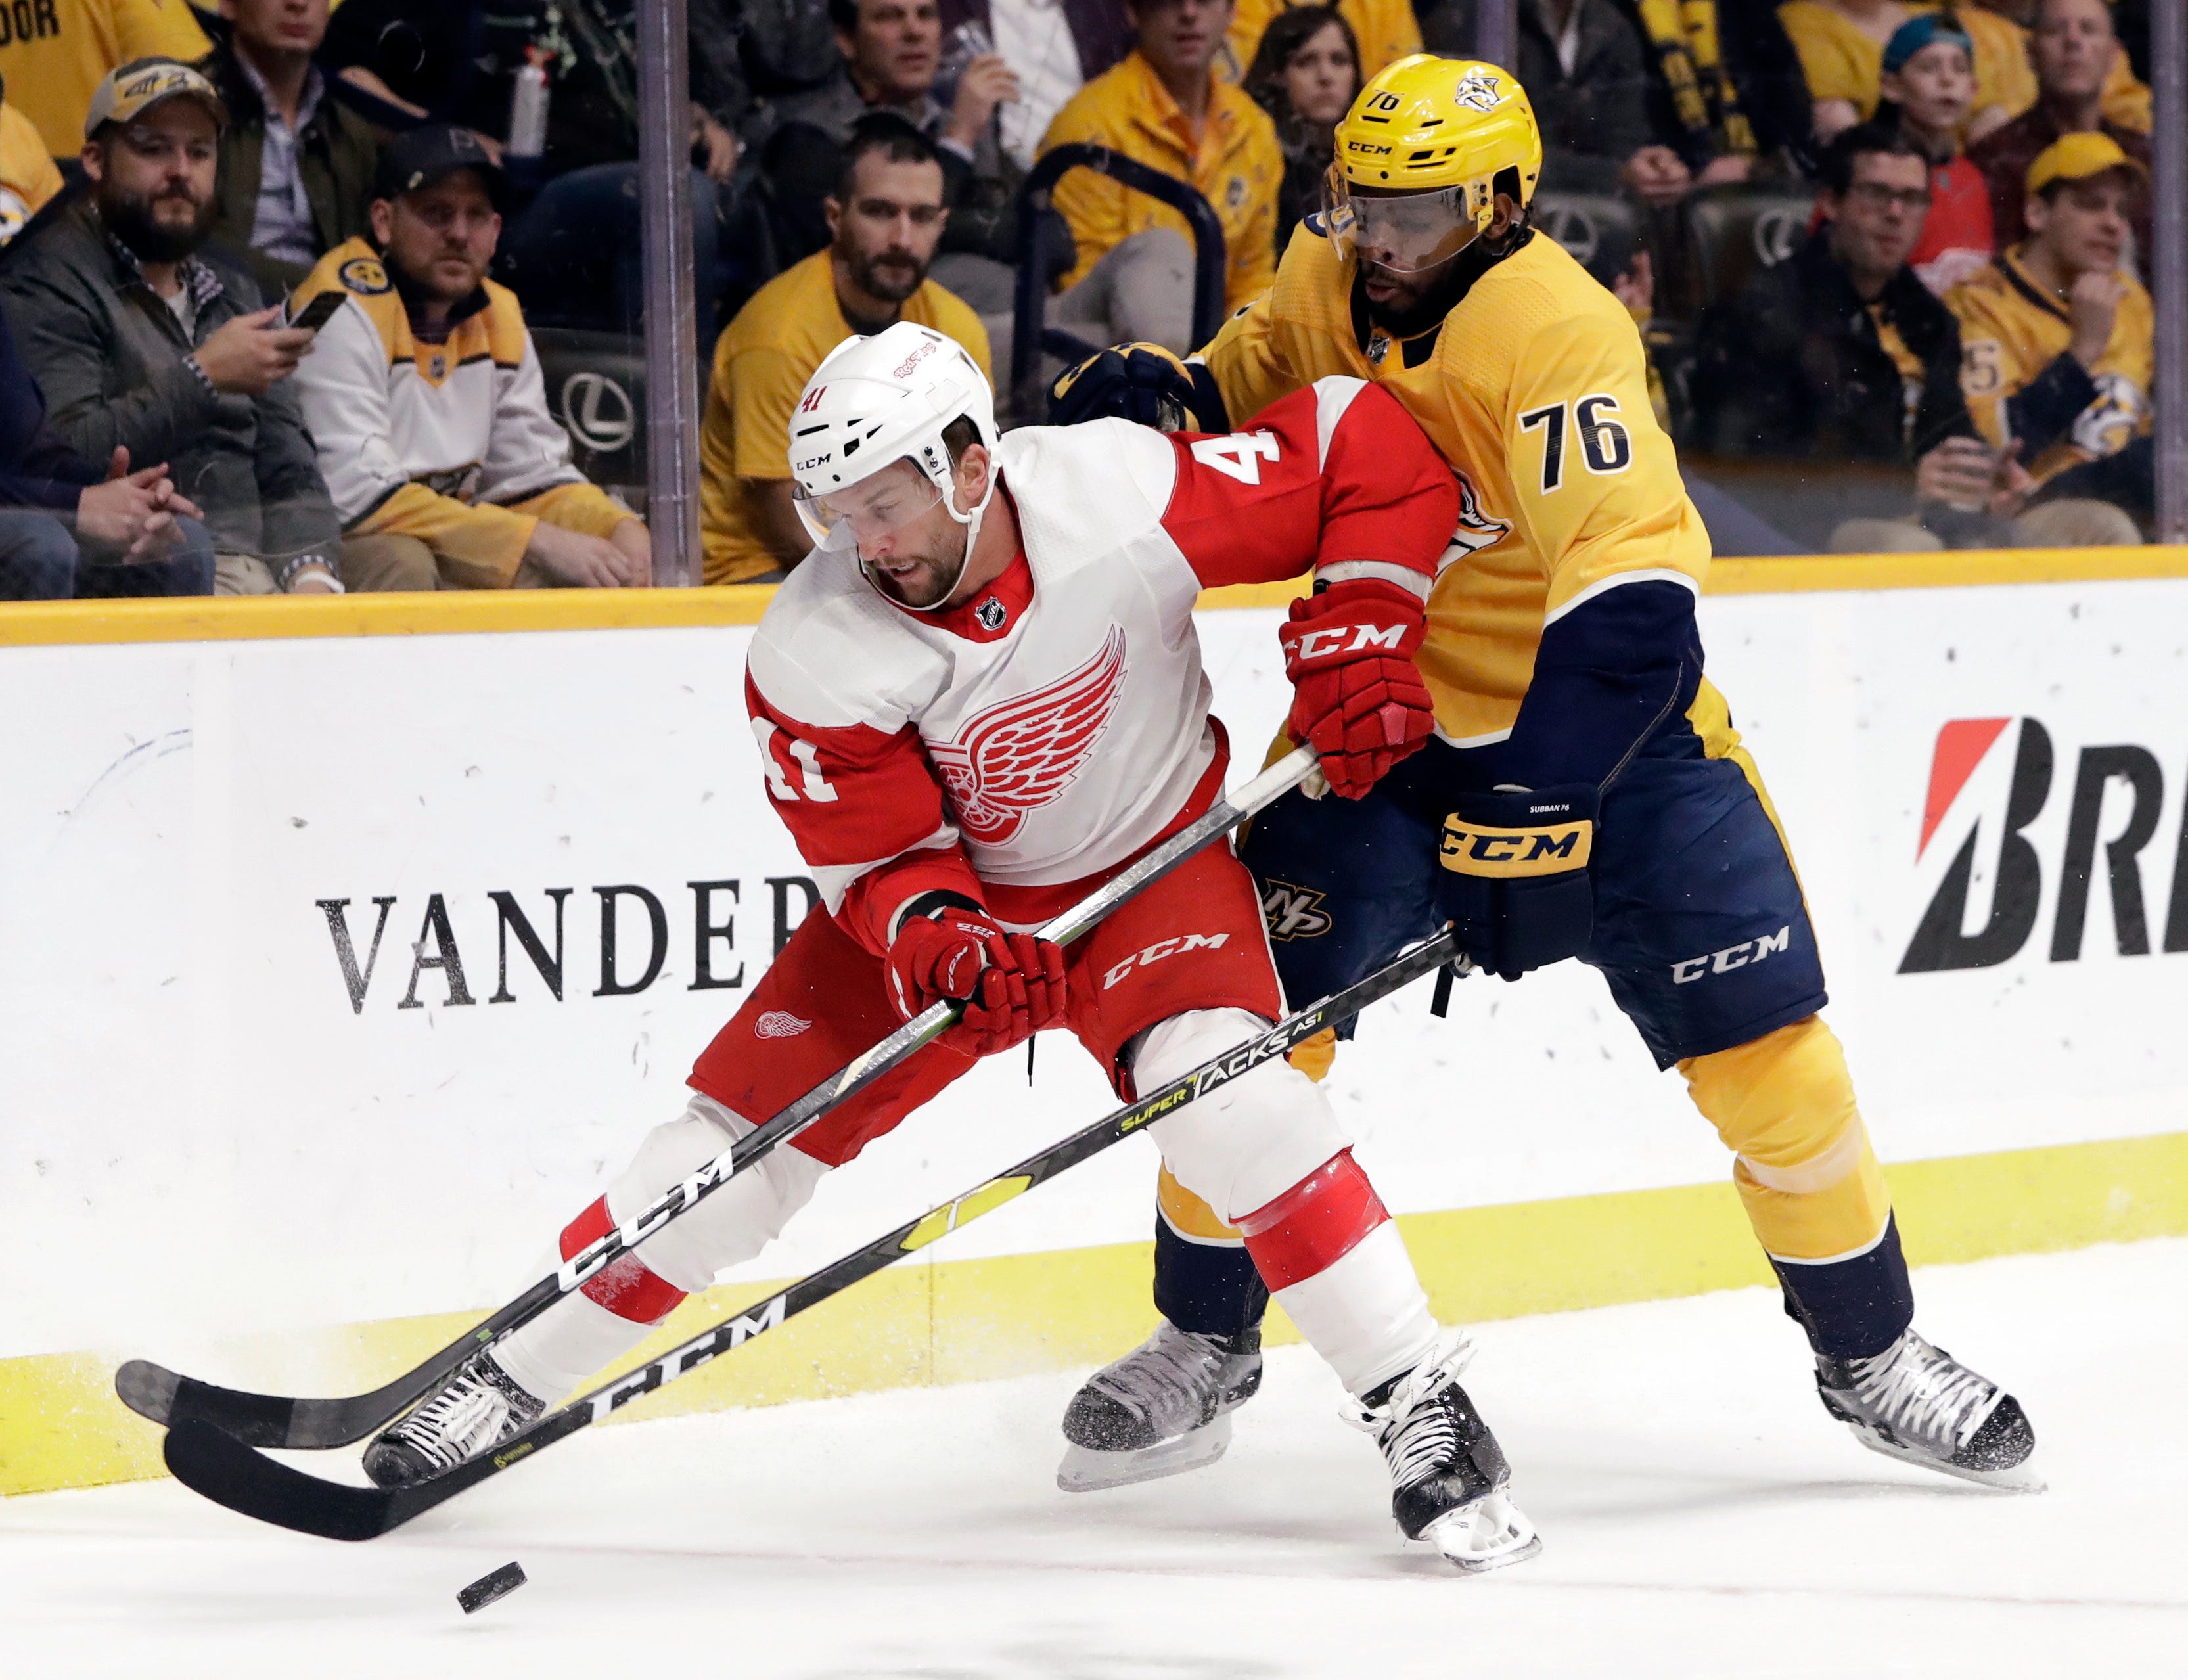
(1427, 133)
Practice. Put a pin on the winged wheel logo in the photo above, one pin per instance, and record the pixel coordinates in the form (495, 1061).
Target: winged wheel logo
(1010, 760)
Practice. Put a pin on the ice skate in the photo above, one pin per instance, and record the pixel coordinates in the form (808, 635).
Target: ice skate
(1917, 1402)
(1450, 1484)
(1164, 1407)
(481, 1406)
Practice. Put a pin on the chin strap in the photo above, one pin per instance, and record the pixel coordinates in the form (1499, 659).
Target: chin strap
(971, 521)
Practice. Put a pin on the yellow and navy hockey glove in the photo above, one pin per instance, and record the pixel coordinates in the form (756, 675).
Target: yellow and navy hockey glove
(1142, 383)
(1516, 887)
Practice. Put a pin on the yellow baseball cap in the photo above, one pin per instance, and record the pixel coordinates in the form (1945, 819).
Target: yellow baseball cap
(135, 88)
(2076, 157)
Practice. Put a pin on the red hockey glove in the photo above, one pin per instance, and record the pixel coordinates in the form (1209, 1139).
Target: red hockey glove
(1357, 697)
(1012, 984)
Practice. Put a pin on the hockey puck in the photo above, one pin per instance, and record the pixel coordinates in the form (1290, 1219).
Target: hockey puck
(487, 1588)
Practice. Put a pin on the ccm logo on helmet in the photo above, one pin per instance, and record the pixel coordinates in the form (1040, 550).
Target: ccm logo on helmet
(1320, 644)
(1371, 148)
(1158, 950)
(811, 462)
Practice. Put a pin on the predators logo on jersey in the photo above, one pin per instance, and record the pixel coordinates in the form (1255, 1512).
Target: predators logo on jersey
(2013, 331)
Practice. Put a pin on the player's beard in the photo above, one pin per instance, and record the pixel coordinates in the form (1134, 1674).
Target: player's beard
(1432, 294)
(130, 218)
(929, 586)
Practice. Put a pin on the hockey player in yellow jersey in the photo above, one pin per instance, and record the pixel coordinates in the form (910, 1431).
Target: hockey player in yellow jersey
(1583, 794)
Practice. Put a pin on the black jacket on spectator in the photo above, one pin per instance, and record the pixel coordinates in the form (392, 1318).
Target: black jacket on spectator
(37, 469)
(110, 355)
(1793, 368)
(1596, 118)
(336, 157)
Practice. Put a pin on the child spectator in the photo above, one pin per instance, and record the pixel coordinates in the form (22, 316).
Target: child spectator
(425, 398)
(1841, 47)
(1382, 32)
(1165, 107)
(52, 66)
(295, 165)
(886, 218)
(1929, 83)
(1305, 75)
(2056, 337)
(141, 344)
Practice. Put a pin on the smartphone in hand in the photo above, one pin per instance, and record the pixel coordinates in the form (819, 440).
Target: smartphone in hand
(319, 312)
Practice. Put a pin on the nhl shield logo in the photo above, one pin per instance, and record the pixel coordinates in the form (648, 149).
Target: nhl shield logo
(991, 614)
(438, 369)
(1478, 92)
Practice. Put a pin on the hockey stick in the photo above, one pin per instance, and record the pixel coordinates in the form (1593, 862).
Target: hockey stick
(229, 1473)
(282, 1421)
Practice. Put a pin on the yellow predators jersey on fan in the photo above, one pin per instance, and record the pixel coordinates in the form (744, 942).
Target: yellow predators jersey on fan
(1536, 389)
(2011, 329)
(54, 53)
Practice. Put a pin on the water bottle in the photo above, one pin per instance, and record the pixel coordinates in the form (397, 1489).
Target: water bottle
(527, 107)
(969, 41)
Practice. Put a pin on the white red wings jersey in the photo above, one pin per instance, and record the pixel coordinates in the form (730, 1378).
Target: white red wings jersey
(1056, 724)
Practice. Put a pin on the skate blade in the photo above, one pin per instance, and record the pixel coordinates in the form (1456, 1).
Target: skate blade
(2020, 1479)
(1086, 1470)
(1492, 1533)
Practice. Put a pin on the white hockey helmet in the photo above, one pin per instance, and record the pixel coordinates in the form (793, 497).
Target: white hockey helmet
(872, 402)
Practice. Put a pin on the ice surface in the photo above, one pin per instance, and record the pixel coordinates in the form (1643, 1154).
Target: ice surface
(1700, 1516)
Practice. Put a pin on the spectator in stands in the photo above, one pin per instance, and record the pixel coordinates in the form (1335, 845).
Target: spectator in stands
(2006, 63)
(1580, 62)
(886, 218)
(69, 528)
(892, 55)
(1841, 47)
(1165, 107)
(1929, 83)
(2074, 51)
(295, 165)
(424, 397)
(29, 179)
(573, 253)
(141, 344)
(1383, 32)
(1727, 93)
(2056, 338)
(56, 57)
(1839, 353)
(1053, 47)
(1306, 73)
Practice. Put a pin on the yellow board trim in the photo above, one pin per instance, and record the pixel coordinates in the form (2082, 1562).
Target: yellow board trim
(927, 1323)
(472, 612)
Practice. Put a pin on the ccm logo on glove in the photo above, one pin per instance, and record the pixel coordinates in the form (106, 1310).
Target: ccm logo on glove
(1476, 849)
(1357, 697)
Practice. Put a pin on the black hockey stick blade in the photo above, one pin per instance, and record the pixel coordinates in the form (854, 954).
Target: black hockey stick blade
(230, 1473)
(226, 1471)
(284, 1421)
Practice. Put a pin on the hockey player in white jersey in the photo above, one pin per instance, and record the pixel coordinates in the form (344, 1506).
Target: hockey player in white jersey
(981, 696)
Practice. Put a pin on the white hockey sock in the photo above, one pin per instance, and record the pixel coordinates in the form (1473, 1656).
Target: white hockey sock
(567, 1343)
(1365, 1313)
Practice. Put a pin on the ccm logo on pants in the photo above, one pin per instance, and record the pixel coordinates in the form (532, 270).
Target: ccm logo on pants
(1732, 956)
(1158, 950)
